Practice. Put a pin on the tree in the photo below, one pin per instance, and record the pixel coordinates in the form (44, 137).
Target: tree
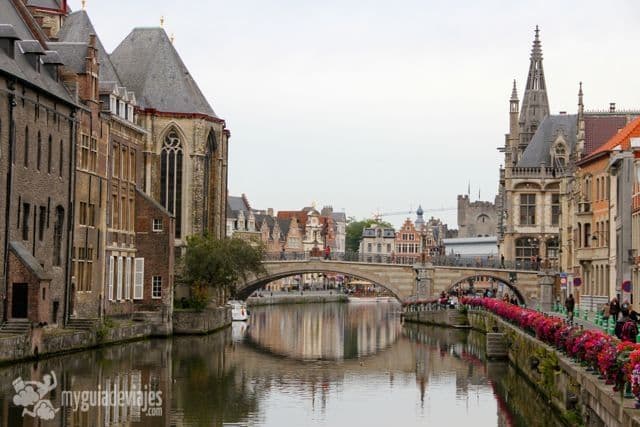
(220, 263)
(354, 231)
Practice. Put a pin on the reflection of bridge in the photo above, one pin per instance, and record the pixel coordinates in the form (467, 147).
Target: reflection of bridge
(401, 280)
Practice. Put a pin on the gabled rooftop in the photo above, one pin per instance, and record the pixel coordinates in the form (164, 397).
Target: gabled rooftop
(621, 139)
(538, 151)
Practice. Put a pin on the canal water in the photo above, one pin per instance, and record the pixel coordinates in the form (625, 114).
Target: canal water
(290, 365)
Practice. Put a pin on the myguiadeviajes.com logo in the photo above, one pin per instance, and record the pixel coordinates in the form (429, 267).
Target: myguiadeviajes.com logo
(127, 393)
(31, 396)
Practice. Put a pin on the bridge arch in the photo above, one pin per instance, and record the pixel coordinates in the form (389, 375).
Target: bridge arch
(495, 279)
(393, 278)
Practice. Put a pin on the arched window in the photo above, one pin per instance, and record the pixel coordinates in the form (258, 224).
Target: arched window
(209, 178)
(57, 236)
(171, 177)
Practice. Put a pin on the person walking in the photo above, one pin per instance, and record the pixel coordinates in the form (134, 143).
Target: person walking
(614, 309)
(570, 305)
(605, 312)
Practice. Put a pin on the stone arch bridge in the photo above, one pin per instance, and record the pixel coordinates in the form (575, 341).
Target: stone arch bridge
(401, 280)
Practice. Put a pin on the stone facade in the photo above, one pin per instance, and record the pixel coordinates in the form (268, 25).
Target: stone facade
(476, 219)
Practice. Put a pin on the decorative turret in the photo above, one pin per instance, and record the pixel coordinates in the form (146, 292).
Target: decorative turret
(511, 152)
(419, 220)
(535, 104)
(579, 148)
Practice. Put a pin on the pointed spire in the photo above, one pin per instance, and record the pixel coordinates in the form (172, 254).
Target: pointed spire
(535, 104)
(514, 92)
(162, 21)
(580, 103)
(84, 4)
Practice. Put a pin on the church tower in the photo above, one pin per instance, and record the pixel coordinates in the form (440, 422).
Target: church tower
(535, 104)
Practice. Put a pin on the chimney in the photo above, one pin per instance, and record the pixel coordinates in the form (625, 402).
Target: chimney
(270, 212)
(563, 113)
(612, 107)
(8, 37)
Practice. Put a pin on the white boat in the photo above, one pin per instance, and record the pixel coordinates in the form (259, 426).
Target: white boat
(370, 299)
(239, 311)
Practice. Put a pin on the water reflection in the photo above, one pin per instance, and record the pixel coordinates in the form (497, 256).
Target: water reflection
(327, 332)
(336, 365)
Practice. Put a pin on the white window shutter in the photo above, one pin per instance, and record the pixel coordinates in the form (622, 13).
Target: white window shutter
(127, 279)
(110, 293)
(138, 284)
(119, 274)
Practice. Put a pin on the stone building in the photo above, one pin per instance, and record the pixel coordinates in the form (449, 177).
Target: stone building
(184, 161)
(408, 243)
(377, 244)
(37, 133)
(476, 219)
(537, 181)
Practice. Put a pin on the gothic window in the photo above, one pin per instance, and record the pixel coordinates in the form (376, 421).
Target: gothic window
(209, 178)
(171, 177)
(57, 236)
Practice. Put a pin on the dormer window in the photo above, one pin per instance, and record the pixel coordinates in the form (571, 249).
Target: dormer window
(121, 109)
(130, 112)
(112, 104)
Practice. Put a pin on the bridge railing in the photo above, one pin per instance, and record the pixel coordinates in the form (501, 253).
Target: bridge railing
(440, 260)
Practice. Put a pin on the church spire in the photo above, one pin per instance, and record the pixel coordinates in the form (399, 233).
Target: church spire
(535, 104)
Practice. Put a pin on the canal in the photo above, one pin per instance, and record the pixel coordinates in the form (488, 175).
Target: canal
(290, 365)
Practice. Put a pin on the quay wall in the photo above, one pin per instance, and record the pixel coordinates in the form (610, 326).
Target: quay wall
(579, 396)
(295, 299)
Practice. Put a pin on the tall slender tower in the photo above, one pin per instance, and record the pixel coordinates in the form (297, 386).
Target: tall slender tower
(535, 104)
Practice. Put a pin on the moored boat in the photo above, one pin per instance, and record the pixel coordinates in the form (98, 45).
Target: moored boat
(239, 310)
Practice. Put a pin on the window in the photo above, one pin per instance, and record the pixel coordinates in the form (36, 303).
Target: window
(171, 177)
(91, 215)
(368, 247)
(26, 208)
(84, 152)
(93, 155)
(42, 220)
(527, 209)
(61, 158)
(132, 166)
(127, 279)
(157, 224)
(57, 236)
(388, 247)
(26, 147)
(82, 214)
(587, 235)
(125, 164)
(39, 151)
(379, 247)
(49, 149)
(209, 177)
(119, 273)
(114, 212)
(116, 161)
(111, 266)
(138, 283)
(156, 290)
(555, 209)
(526, 249)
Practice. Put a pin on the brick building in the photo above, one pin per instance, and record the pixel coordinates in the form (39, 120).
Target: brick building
(37, 134)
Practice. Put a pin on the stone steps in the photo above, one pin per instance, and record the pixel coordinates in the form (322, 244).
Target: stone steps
(81, 324)
(16, 327)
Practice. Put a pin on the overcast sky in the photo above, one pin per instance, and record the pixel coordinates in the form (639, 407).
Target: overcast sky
(368, 105)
